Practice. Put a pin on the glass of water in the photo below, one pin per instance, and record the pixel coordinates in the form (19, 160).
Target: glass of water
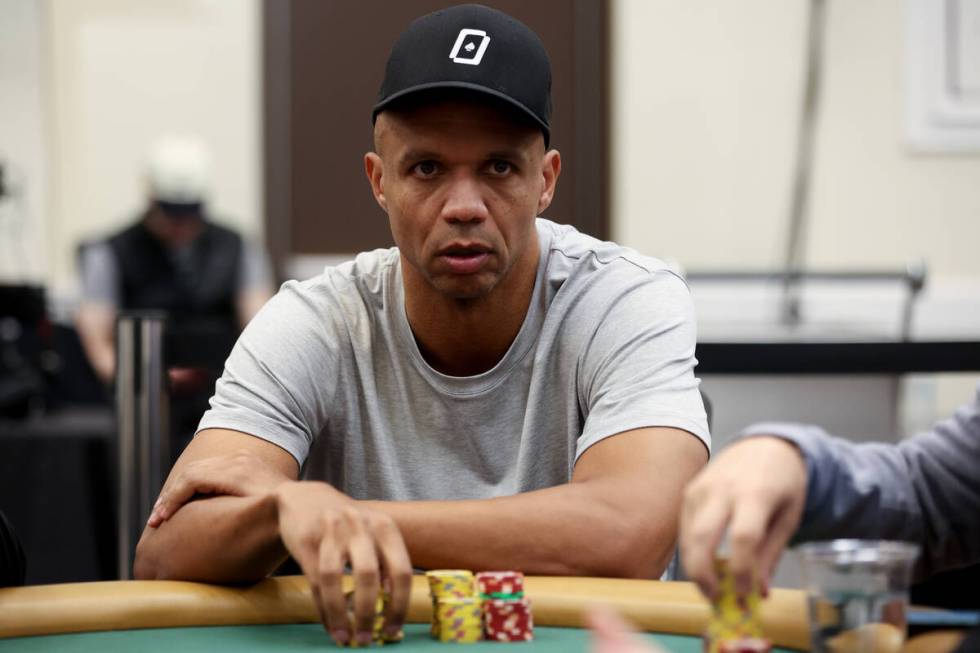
(858, 594)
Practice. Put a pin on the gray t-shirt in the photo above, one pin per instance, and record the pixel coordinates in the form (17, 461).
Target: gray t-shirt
(329, 370)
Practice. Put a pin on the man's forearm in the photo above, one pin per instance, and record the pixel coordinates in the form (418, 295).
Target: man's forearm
(217, 540)
(565, 530)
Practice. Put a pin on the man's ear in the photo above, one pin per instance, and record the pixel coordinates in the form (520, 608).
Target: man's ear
(373, 167)
(550, 171)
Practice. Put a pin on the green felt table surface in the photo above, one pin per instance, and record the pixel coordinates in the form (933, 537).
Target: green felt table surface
(305, 637)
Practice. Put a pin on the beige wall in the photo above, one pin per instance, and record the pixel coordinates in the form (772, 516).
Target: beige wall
(122, 74)
(705, 102)
(706, 98)
(22, 142)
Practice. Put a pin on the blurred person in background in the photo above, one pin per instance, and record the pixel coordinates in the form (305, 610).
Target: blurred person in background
(173, 258)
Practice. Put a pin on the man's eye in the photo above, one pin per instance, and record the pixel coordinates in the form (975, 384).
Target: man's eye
(425, 168)
(500, 167)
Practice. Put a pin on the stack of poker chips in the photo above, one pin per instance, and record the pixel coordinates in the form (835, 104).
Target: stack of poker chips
(735, 626)
(377, 630)
(456, 610)
(507, 613)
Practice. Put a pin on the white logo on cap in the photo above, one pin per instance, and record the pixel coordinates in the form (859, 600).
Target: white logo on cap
(473, 53)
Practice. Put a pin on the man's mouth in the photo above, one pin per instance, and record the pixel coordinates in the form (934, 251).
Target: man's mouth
(464, 258)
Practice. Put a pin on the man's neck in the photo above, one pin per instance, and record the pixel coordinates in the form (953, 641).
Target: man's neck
(468, 337)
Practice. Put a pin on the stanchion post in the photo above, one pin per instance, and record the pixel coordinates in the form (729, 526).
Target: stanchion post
(142, 408)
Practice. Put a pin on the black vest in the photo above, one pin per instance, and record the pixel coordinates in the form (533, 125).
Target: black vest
(151, 280)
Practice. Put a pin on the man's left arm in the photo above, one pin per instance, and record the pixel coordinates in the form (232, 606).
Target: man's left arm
(617, 517)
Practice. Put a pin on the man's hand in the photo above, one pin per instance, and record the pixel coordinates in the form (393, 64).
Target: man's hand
(241, 474)
(325, 530)
(757, 489)
(613, 635)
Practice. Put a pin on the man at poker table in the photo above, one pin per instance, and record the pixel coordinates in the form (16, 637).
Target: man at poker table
(497, 391)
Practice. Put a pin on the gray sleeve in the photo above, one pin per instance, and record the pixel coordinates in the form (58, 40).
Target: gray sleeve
(638, 370)
(925, 489)
(254, 271)
(281, 375)
(99, 275)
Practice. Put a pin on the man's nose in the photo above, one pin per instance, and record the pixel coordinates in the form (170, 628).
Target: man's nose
(464, 201)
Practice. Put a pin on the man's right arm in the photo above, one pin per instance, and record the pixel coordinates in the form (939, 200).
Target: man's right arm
(221, 538)
(257, 515)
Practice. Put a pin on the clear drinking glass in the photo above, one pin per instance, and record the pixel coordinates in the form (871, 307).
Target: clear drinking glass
(858, 594)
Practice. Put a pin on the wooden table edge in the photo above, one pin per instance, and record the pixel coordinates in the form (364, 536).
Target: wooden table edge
(666, 607)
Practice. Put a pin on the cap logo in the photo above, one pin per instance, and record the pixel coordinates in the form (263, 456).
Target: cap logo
(470, 46)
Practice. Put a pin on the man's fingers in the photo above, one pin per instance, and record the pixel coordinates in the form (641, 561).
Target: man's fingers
(780, 531)
(218, 475)
(176, 493)
(367, 575)
(703, 523)
(748, 530)
(613, 635)
(397, 571)
(329, 578)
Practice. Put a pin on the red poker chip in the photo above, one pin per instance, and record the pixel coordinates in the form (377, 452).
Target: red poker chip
(490, 583)
(745, 645)
(508, 620)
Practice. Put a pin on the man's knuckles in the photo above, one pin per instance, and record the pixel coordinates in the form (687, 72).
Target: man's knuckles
(367, 575)
(329, 576)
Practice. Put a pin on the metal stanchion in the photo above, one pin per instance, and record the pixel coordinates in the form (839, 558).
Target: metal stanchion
(142, 408)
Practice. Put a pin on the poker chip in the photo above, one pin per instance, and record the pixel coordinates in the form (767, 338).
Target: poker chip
(490, 605)
(734, 623)
(448, 584)
(745, 645)
(500, 584)
(508, 620)
(460, 619)
(377, 630)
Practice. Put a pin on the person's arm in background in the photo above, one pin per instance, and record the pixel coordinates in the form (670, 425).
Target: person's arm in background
(255, 284)
(95, 318)
(799, 479)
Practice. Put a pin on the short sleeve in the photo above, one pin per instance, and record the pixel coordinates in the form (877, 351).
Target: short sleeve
(638, 369)
(99, 274)
(281, 375)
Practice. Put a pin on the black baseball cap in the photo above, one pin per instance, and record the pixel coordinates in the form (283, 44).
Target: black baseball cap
(472, 48)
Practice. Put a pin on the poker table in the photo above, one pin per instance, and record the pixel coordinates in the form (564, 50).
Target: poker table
(278, 615)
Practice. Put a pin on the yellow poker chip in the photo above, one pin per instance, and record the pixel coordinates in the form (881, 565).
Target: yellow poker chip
(460, 619)
(447, 583)
(732, 619)
(378, 626)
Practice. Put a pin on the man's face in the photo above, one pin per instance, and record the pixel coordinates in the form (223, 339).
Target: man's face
(461, 183)
(174, 229)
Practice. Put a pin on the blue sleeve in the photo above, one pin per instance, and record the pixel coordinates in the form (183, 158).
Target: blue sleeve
(925, 489)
